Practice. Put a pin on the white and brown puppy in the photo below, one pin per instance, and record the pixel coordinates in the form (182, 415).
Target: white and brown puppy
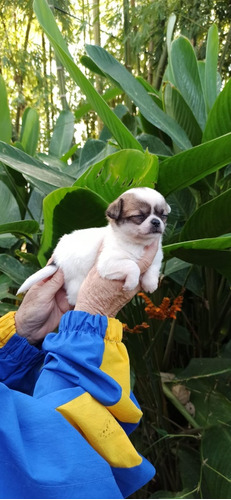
(135, 219)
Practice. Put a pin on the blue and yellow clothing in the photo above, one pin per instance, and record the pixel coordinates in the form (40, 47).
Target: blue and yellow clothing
(66, 411)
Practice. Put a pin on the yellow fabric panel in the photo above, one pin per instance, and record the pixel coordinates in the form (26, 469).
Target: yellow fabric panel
(7, 327)
(101, 430)
(116, 364)
(115, 358)
(125, 410)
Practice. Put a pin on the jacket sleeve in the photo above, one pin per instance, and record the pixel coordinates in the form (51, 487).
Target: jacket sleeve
(67, 440)
(19, 361)
(88, 357)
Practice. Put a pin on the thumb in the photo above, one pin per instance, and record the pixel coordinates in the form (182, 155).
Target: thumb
(148, 256)
(54, 282)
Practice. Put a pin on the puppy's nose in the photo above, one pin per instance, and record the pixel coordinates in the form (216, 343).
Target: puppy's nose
(155, 223)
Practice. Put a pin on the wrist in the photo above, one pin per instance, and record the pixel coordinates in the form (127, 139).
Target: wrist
(88, 308)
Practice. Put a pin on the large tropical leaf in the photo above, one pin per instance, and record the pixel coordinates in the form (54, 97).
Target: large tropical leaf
(170, 30)
(190, 166)
(212, 49)
(219, 244)
(30, 131)
(32, 168)
(208, 252)
(10, 212)
(176, 107)
(119, 172)
(216, 456)
(219, 119)
(186, 77)
(68, 209)
(5, 122)
(210, 220)
(137, 93)
(16, 271)
(62, 135)
(107, 96)
(45, 17)
(20, 228)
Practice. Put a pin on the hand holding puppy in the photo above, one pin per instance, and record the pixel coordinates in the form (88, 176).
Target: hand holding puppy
(42, 308)
(99, 295)
(45, 302)
(135, 219)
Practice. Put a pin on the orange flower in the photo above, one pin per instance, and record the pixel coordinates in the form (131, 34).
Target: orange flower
(136, 329)
(165, 309)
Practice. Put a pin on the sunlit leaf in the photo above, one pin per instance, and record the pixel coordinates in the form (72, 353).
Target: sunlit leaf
(187, 167)
(68, 209)
(187, 79)
(119, 172)
(118, 130)
(137, 93)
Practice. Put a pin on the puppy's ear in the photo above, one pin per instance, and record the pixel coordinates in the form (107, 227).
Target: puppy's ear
(168, 208)
(114, 211)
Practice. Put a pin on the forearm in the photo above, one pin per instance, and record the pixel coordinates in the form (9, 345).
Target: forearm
(88, 352)
(86, 376)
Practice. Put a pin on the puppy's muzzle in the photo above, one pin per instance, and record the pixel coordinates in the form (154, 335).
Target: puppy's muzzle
(155, 226)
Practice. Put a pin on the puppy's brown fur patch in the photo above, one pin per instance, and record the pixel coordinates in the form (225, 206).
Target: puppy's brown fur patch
(129, 205)
(126, 207)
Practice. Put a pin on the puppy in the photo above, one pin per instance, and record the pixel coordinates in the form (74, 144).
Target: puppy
(135, 220)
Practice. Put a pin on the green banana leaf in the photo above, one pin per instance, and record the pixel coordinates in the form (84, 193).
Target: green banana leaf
(88, 63)
(120, 171)
(46, 19)
(216, 456)
(30, 131)
(186, 77)
(220, 244)
(137, 93)
(176, 107)
(20, 228)
(210, 220)
(219, 119)
(16, 271)
(32, 168)
(212, 50)
(63, 133)
(187, 167)
(209, 252)
(170, 30)
(84, 108)
(5, 121)
(65, 210)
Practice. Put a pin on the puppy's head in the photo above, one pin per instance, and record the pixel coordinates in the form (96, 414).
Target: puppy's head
(140, 213)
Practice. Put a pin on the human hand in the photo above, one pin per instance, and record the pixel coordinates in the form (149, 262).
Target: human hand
(99, 295)
(42, 308)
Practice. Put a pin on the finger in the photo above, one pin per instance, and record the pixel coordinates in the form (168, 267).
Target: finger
(50, 260)
(54, 283)
(148, 257)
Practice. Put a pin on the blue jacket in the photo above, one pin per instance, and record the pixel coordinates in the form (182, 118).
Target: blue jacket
(66, 411)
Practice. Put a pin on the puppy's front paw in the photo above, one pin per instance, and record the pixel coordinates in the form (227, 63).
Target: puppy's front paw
(149, 285)
(131, 282)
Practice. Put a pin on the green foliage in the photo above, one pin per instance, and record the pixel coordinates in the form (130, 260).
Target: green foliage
(179, 141)
(6, 128)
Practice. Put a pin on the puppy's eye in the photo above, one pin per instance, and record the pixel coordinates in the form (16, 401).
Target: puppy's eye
(137, 219)
(162, 216)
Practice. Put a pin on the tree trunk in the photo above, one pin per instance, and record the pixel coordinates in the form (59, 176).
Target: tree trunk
(127, 50)
(19, 78)
(161, 68)
(60, 72)
(97, 41)
(46, 87)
